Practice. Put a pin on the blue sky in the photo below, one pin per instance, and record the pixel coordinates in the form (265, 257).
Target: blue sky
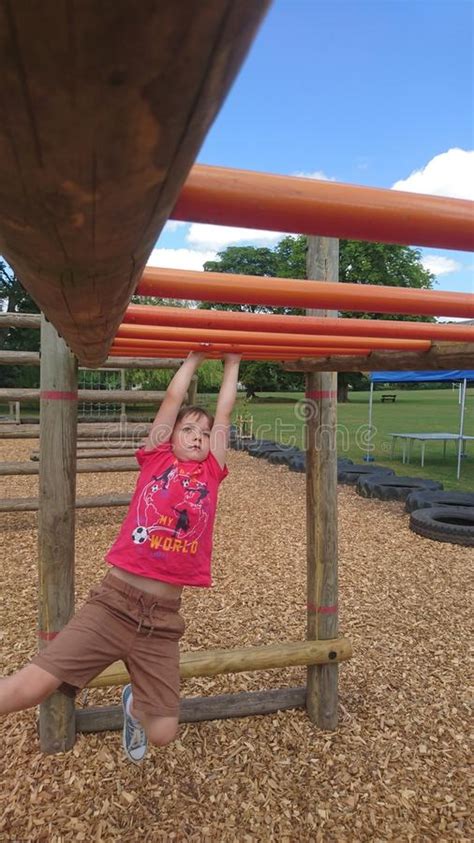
(375, 93)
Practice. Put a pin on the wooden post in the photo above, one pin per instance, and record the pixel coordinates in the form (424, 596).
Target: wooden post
(321, 505)
(193, 388)
(57, 494)
(14, 411)
(123, 407)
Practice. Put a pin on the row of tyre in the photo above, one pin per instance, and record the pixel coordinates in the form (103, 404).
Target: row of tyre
(434, 513)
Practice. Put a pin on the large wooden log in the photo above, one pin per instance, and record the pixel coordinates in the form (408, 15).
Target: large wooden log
(198, 709)
(33, 504)
(93, 396)
(446, 355)
(216, 662)
(56, 521)
(10, 469)
(105, 106)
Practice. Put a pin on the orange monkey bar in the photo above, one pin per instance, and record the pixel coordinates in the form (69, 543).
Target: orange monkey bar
(195, 345)
(137, 314)
(212, 354)
(308, 341)
(292, 292)
(329, 209)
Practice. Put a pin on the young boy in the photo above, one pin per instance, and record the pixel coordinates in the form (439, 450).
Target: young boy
(165, 543)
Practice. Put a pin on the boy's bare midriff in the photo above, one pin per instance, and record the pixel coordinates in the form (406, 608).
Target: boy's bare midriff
(156, 587)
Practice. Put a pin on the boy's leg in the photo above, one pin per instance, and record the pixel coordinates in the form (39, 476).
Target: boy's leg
(153, 664)
(26, 688)
(159, 730)
(96, 636)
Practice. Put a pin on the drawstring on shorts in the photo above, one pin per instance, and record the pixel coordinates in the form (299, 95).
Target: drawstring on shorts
(144, 614)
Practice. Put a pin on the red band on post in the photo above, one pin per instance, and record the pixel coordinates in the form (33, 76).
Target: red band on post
(56, 395)
(314, 394)
(47, 636)
(322, 610)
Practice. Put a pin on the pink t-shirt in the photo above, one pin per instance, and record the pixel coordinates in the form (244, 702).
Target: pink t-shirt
(167, 532)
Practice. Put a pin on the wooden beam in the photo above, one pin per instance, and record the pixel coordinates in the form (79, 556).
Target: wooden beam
(216, 662)
(441, 356)
(19, 358)
(123, 444)
(20, 320)
(101, 454)
(93, 396)
(198, 709)
(11, 469)
(34, 504)
(111, 433)
(91, 171)
(32, 358)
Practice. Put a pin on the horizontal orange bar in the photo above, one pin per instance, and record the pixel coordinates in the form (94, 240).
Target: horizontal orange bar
(145, 314)
(130, 342)
(294, 292)
(329, 209)
(217, 355)
(153, 332)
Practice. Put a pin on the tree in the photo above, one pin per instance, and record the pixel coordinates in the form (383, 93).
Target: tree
(359, 262)
(15, 299)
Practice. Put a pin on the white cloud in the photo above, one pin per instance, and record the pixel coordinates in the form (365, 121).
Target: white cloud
(317, 174)
(219, 236)
(439, 265)
(172, 225)
(449, 174)
(180, 258)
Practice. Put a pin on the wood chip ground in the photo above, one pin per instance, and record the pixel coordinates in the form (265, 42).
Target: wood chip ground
(395, 770)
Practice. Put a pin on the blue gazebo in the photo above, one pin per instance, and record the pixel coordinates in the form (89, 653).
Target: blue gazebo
(461, 376)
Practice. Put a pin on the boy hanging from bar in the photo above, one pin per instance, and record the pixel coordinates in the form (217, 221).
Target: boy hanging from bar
(164, 544)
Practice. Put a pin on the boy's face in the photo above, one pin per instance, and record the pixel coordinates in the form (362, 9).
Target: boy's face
(190, 439)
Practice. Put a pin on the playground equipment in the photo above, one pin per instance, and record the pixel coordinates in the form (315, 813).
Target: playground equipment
(323, 649)
(114, 184)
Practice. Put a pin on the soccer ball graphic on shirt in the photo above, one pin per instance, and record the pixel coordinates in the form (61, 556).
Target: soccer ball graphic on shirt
(185, 518)
(140, 535)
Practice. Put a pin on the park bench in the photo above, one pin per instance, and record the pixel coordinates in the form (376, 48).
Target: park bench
(389, 396)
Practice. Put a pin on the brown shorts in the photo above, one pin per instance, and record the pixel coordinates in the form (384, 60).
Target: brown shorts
(119, 621)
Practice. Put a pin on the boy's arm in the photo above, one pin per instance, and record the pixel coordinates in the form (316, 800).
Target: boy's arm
(165, 418)
(225, 405)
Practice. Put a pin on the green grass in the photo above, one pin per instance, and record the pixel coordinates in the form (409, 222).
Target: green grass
(277, 416)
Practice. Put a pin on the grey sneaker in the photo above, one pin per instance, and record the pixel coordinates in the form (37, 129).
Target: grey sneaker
(134, 740)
